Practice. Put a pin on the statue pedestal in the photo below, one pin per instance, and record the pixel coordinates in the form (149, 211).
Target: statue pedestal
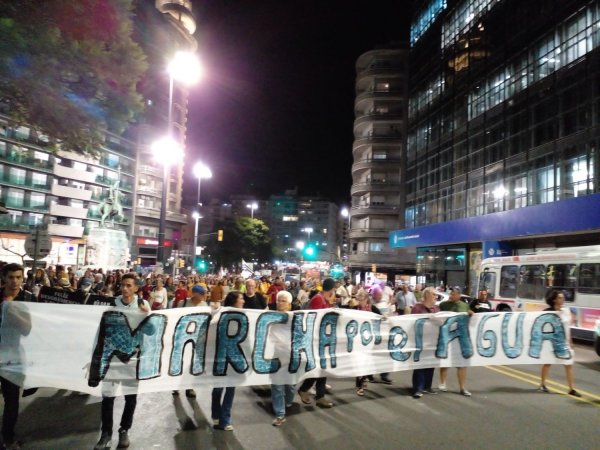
(107, 248)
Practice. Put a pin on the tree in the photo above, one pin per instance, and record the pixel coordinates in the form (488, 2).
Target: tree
(243, 237)
(69, 69)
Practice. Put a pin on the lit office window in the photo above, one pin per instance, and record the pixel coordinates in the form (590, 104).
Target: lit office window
(425, 18)
(464, 17)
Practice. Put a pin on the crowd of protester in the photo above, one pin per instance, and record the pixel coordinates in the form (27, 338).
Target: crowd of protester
(153, 291)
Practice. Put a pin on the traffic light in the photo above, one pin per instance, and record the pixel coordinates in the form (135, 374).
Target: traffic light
(201, 265)
(310, 252)
(220, 235)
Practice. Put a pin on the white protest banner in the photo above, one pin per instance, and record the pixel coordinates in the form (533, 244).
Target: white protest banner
(103, 350)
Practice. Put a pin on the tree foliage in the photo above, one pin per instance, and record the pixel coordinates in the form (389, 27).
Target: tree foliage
(243, 238)
(69, 68)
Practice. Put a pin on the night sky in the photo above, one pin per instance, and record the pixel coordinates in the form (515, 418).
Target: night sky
(275, 109)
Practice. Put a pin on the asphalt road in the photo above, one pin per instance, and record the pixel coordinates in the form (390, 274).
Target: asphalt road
(505, 412)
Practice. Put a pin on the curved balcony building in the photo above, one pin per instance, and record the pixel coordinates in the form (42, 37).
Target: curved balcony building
(378, 169)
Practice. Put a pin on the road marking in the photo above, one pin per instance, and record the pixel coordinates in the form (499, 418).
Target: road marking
(552, 385)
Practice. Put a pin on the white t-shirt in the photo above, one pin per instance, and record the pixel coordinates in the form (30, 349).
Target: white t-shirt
(132, 305)
(387, 294)
(160, 296)
(342, 292)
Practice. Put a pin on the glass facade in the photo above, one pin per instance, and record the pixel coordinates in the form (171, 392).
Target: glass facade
(425, 19)
(515, 124)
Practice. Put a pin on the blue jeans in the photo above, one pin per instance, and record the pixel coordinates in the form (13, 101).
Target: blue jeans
(281, 395)
(221, 410)
(422, 379)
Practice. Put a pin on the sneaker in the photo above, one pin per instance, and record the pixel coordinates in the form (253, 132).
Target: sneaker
(190, 393)
(465, 393)
(225, 428)
(176, 393)
(123, 439)
(104, 443)
(328, 387)
(324, 403)
(543, 388)
(360, 392)
(305, 397)
(289, 405)
(418, 394)
(442, 387)
(278, 421)
(574, 393)
(430, 391)
(215, 422)
(312, 391)
(386, 380)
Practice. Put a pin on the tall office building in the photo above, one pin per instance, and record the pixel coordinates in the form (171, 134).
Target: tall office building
(503, 134)
(162, 30)
(378, 172)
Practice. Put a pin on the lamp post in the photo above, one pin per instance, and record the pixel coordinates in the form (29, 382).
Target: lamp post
(166, 151)
(201, 171)
(196, 217)
(252, 207)
(185, 68)
(308, 230)
(345, 213)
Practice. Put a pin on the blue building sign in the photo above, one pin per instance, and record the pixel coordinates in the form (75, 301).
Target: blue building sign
(577, 214)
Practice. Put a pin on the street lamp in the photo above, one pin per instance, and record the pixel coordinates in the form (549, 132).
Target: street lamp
(166, 151)
(185, 68)
(201, 171)
(252, 207)
(307, 230)
(196, 217)
(345, 213)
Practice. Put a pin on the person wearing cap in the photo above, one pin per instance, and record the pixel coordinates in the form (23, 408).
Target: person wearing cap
(455, 304)
(282, 395)
(322, 300)
(198, 298)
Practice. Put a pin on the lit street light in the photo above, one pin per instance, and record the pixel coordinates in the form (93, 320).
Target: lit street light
(186, 69)
(196, 217)
(252, 207)
(201, 171)
(166, 152)
(307, 230)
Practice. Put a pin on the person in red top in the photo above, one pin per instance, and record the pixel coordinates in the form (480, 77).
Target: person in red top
(273, 291)
(323, 300)
(180, 293)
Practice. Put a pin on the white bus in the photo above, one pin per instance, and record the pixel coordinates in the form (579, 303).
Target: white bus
(519, 283)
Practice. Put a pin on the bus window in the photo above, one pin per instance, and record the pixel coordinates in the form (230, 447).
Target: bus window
(487, 281)
(508, 281)
(532, 282)
(589, 278)
(562, 277)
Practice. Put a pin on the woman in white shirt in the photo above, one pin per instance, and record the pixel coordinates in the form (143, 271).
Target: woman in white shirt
(158, 296)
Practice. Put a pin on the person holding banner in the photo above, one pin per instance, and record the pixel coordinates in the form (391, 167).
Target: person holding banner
(282, 395)
(12, 279)
(221, 404)
(323, 300)
(128, 300)
(423, 378)
(555, 300)
(455, 304)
